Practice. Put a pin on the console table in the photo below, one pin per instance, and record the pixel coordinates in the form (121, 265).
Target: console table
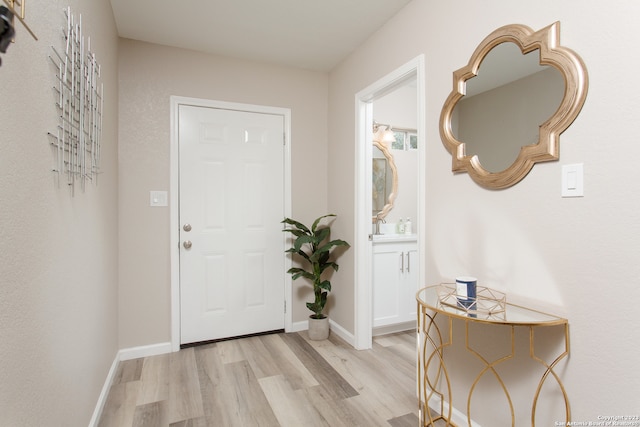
(434, 380)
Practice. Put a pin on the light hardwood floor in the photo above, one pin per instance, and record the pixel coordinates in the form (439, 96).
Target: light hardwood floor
(270, 380)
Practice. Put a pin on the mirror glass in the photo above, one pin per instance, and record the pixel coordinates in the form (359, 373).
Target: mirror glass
(505, 104)
(519, 91)
(385, 178)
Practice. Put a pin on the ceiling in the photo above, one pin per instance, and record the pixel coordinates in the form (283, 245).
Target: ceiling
(314, 35)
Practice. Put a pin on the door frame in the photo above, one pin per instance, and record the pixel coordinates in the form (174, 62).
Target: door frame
(174, 223)
(363, 328)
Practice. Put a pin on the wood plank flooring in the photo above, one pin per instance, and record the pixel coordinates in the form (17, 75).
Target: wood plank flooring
(270, 380)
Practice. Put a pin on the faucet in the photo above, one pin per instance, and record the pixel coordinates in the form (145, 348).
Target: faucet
(378, 221)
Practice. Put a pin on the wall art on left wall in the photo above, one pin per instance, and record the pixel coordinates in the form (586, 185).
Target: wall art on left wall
(79, 101)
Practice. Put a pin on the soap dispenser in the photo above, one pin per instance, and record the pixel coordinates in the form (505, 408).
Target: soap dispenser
(400, 227)
(407, 226)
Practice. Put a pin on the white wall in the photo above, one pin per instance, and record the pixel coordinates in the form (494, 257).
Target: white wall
(399, 110)
(58, 298)
(149, 75)
(58, 274)
(576, 257)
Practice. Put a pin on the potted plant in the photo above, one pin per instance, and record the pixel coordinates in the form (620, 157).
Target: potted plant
(315, 250)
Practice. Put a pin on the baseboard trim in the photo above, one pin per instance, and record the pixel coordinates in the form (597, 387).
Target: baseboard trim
(121, 355)
(342, 333)
(390, 329)
(458, 418)
(299, 326)
(145, 351)
(102, 399)
(334, 328)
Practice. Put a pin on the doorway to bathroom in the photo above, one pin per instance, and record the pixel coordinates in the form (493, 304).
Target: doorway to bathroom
(375, 107)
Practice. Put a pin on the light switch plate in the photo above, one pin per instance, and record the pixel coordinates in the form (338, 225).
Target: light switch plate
(573, 180)
(158, 198)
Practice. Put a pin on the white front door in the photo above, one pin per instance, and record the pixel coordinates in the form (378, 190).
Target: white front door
(231, 202)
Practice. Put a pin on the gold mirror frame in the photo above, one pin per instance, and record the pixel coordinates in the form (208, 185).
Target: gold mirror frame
(394, 186)
(574, 72)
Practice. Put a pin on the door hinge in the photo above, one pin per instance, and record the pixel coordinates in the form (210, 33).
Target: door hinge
(285, 306)
(284, 139)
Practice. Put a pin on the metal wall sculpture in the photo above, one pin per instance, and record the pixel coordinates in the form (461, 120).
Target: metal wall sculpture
(80, 102)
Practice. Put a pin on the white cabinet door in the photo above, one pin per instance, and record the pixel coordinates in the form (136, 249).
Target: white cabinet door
(386, 284)
(395, 280)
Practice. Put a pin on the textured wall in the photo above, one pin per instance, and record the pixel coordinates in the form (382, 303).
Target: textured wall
(58, 294)
(58, 274)
(399, 109)
(149, 75)
(577, 257)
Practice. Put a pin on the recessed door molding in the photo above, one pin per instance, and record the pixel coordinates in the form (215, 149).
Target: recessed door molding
(364, 135)
(174, 174)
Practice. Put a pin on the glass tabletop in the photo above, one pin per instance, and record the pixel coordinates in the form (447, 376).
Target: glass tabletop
(490, 307)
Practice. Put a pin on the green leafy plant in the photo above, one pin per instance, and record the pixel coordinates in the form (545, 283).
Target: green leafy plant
(315, 249)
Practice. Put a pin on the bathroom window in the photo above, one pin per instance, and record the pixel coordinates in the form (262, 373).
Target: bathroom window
(398, 144)
(406, 139)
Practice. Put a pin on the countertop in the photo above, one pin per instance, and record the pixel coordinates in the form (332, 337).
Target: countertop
(388, 238)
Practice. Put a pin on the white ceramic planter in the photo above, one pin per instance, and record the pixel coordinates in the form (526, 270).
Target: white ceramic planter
(318, 328)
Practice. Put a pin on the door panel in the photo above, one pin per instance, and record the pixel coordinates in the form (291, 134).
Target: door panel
(231, 193)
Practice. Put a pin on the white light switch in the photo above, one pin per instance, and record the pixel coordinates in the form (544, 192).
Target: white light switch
(572, 180)
(158, 198)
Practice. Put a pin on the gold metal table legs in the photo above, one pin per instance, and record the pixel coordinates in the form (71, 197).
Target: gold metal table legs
(436, 334)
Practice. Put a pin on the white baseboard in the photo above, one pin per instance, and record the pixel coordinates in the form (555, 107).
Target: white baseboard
(334, 327)
(299, 326)
(124, 354)
(458, 418)
(145, 351)
(342, 333)
(390, 329)
(102, 399)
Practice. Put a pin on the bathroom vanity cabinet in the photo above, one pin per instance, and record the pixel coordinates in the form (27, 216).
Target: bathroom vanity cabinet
(395, 279)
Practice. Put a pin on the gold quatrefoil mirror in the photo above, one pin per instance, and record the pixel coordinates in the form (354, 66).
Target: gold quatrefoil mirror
(510, 103)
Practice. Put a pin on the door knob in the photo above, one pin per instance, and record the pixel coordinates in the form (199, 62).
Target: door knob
(186, 227)
(187, 244)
